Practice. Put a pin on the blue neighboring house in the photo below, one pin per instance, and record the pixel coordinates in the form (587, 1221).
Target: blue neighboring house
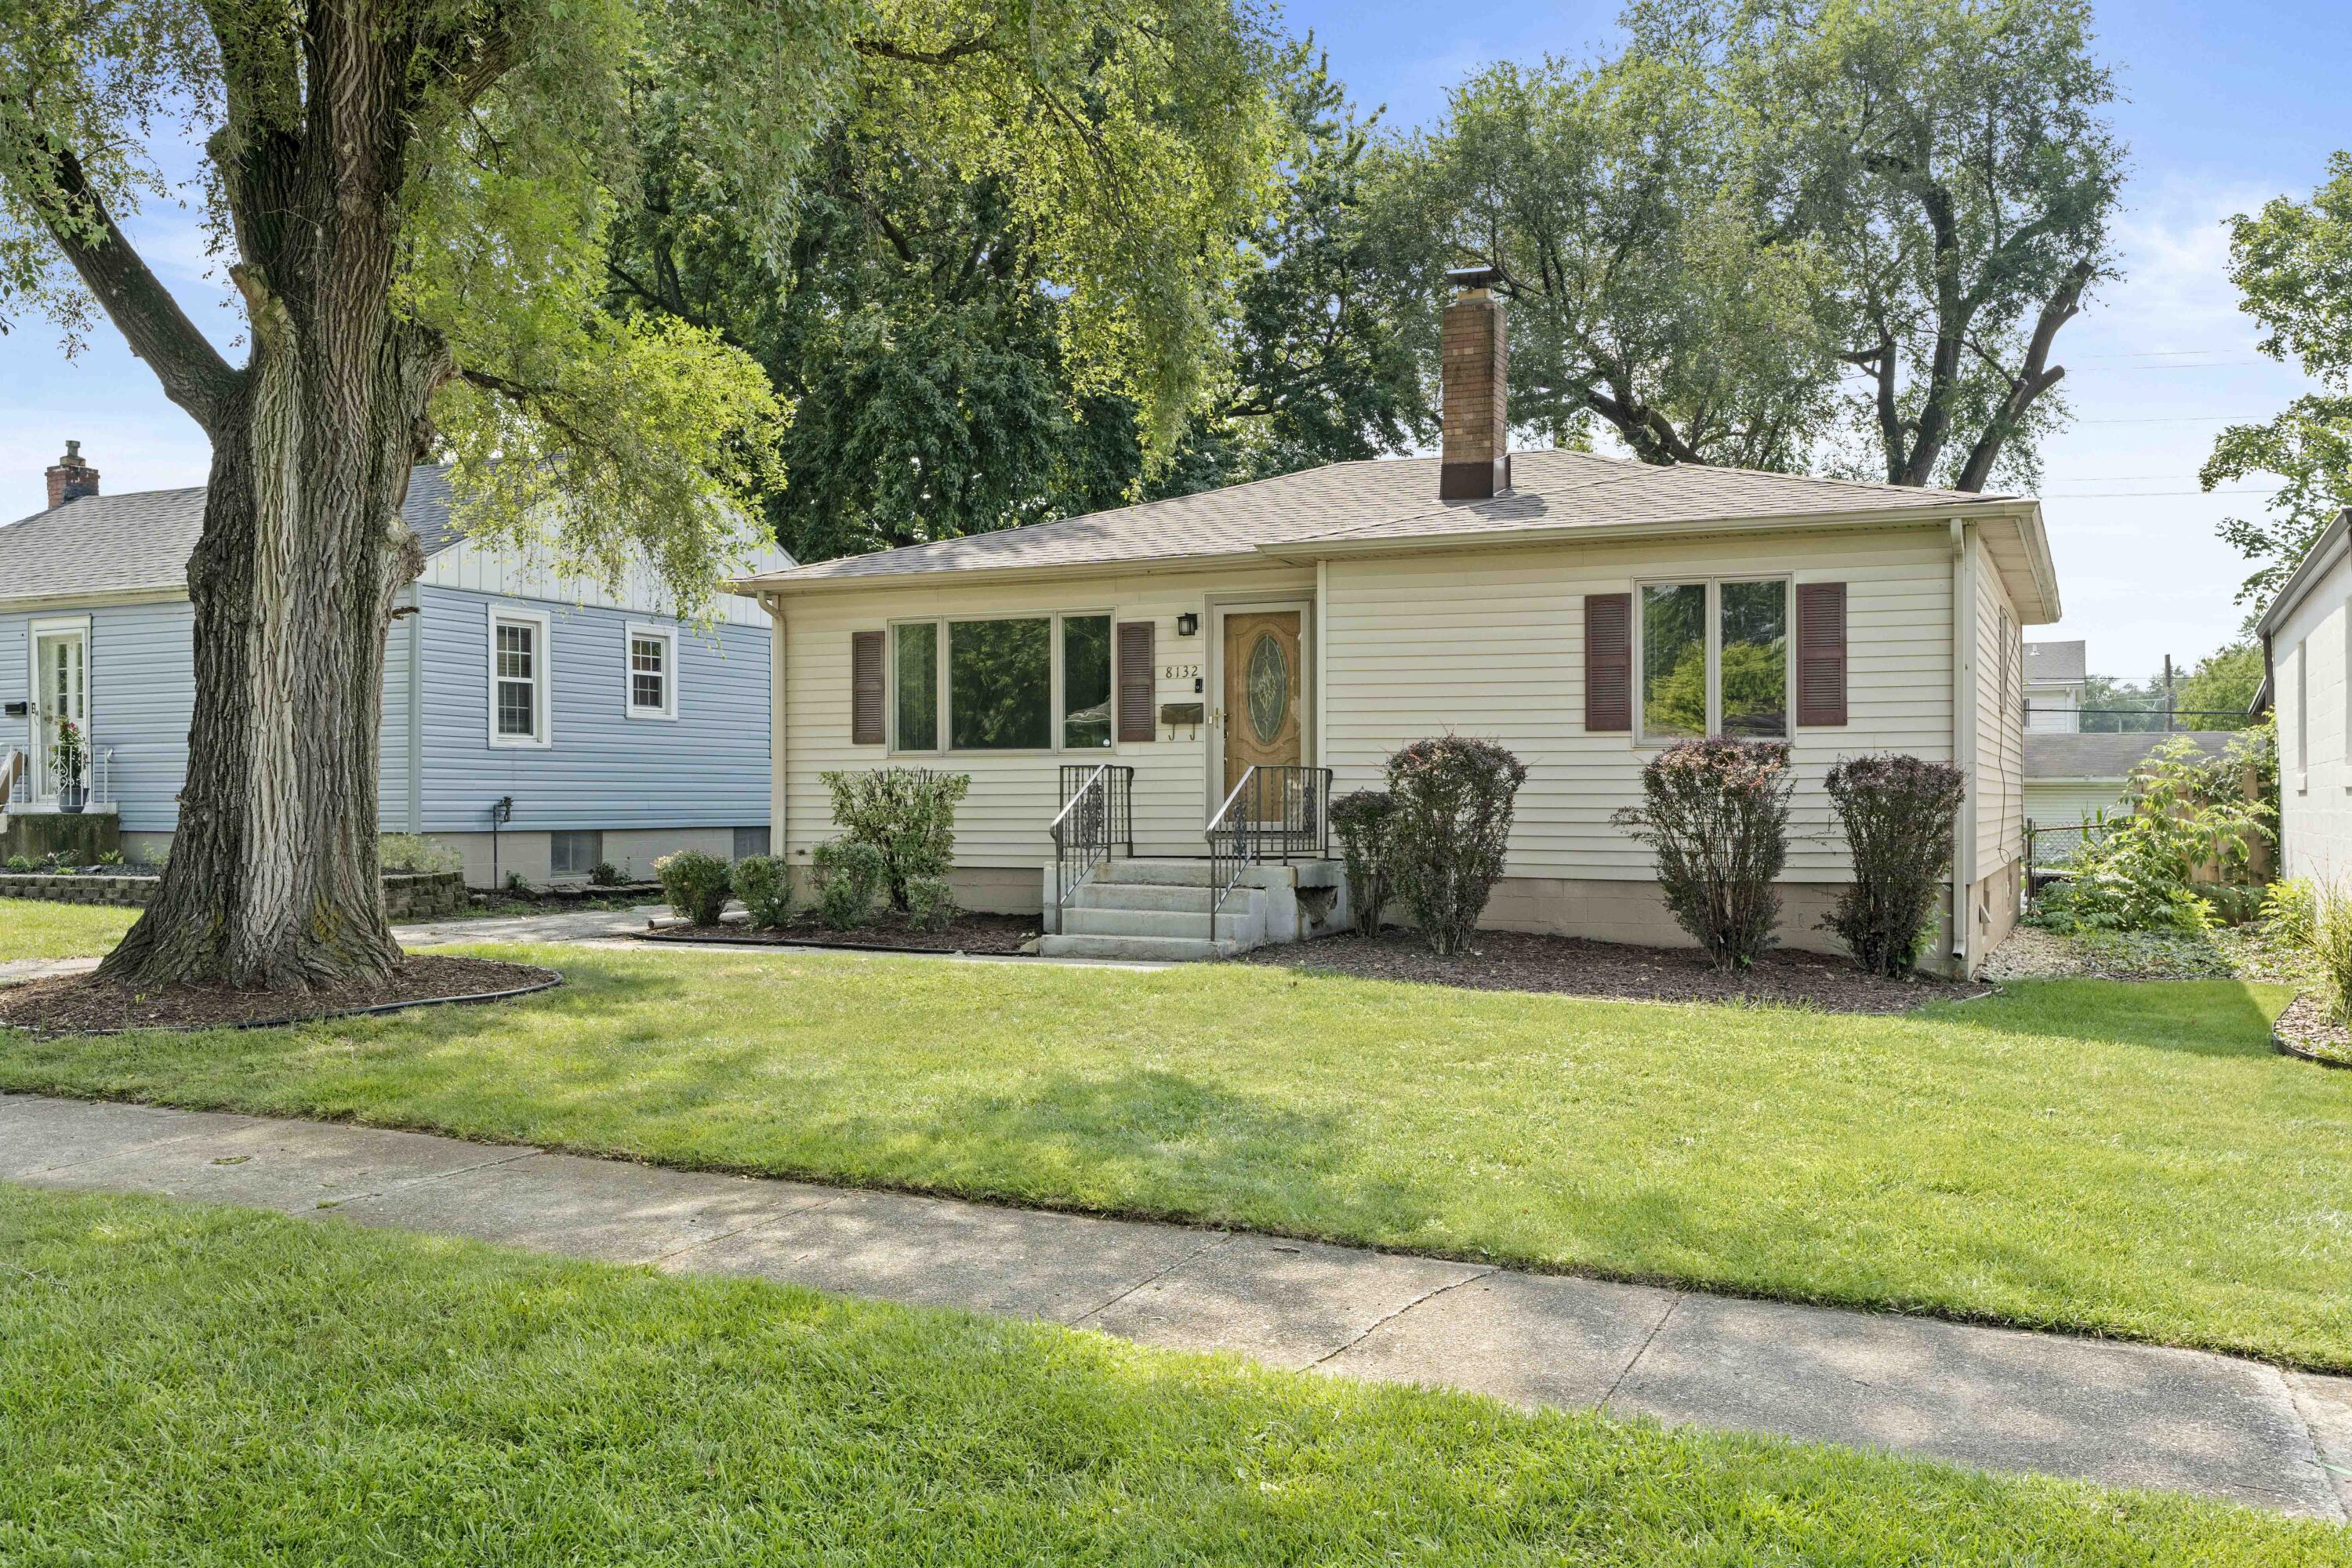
(616, 733)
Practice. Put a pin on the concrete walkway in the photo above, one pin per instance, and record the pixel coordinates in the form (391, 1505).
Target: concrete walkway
(2126, 1415)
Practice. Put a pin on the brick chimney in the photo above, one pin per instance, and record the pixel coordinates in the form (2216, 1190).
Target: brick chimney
(70, 478)
(1473, 362)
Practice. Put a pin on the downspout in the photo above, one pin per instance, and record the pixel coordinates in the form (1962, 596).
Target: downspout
(417, 713)
(779, 826)
(1964, 741)
(1322, 619)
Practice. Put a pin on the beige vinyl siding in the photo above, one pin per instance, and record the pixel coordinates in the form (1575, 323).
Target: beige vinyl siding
(1005, 820)
(2000, 780)
(2310, 653)
(1490, 642)
(2056, 804)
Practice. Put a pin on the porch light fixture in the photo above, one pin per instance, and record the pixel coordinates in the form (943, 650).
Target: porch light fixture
(1187, 623)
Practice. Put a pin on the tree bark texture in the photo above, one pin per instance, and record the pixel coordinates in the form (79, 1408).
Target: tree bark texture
(273, 878)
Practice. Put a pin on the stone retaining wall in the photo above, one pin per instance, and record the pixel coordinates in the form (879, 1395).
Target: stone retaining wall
(130, 892)
(418, 896)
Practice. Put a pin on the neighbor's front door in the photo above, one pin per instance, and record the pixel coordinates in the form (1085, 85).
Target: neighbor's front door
(1262, 689)
(60, 691)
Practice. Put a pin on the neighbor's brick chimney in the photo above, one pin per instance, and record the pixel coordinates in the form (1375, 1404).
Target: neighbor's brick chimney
(70, 478)
(1473, 361)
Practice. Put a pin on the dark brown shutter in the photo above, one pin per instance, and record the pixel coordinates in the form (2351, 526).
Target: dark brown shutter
(1136, 688)
(1821, 653)
(866, 689)
(1608, 661)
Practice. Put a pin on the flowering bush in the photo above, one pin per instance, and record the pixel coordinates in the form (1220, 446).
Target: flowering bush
(1717, 812)
(1362, 818)
(1898, 814)
(1450, 818)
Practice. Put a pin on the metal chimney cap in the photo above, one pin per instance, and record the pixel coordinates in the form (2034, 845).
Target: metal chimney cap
(1466, 278)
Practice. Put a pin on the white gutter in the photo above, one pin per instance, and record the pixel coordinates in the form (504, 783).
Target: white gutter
(1964, 739)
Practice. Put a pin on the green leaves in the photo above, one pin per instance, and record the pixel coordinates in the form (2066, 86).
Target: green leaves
(2293, 264)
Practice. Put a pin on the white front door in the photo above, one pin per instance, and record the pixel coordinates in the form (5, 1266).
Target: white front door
(60, 693)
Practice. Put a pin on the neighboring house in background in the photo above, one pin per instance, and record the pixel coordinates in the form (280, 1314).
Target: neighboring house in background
(2306, 637)
(618, 732)
(2055, 680)
(1580, 611)
(2072, 779)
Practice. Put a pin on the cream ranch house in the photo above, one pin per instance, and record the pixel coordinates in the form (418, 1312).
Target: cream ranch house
(1156, 704)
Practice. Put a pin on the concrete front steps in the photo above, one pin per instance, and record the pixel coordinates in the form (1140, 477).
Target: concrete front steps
(1158, 910)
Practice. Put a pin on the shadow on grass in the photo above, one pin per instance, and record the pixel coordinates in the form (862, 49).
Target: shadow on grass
(2200, 1017)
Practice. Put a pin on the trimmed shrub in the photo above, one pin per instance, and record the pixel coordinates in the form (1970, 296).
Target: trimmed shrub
(1450, 816)
(1717, 812)
(907, 814)
(847, 874)
(765, 883)
(695, 884)
(931, 903)
(1362, 819)
(1898, 814)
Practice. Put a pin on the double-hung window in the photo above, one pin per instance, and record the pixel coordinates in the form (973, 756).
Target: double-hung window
(653, 671)
(518, 678)
(1714, 659)
(1007, 683)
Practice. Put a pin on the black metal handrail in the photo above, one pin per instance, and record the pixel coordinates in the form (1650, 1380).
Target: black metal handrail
(1278, 813)
(1096, 822)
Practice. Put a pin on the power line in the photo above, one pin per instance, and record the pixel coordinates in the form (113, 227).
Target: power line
(2105, 495)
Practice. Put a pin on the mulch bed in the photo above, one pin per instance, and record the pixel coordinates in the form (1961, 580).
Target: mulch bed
(968, 932)
(1575, 966)
(2305, 1030)
(85, 1004)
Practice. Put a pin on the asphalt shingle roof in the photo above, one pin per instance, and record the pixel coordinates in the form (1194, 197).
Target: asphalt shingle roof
(2052, 663)
(141, 540)
(2060, 756)
(1391, 497)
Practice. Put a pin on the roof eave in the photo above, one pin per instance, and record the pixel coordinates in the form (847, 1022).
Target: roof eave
(2308, 571)
(785, 582)
(91, 598)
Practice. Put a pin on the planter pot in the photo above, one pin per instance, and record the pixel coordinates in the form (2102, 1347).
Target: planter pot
(72, 797)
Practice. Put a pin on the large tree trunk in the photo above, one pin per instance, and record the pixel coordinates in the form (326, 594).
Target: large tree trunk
(273, 881)
(273, 876)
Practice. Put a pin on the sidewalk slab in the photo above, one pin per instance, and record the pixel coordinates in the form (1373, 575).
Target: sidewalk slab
(939, 1252)
(39, 1136)
(1531, 1340)
(607, 1210)
(2003, 1399)
(1998, 1398)
(1285, 1303)
(289, 1166)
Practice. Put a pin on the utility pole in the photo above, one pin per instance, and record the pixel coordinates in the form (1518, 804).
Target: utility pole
(2167, 694)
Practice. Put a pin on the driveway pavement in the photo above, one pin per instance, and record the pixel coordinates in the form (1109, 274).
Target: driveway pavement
(2126, 1415)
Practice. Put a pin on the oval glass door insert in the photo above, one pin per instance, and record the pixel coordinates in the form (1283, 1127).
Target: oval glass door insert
(1269, 688)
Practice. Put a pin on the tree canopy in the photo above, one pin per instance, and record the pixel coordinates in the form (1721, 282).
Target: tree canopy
(547, 143)
(1789, 234)
(921, 333)
(2293, 264)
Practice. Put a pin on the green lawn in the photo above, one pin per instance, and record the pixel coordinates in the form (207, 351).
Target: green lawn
(215, 1386)
(2130, 1160)
(34, 928)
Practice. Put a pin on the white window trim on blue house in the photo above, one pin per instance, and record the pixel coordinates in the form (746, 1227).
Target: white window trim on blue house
(541, 676)
(635, 632)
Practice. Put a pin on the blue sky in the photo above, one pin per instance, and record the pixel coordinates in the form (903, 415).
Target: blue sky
(2227, 105)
